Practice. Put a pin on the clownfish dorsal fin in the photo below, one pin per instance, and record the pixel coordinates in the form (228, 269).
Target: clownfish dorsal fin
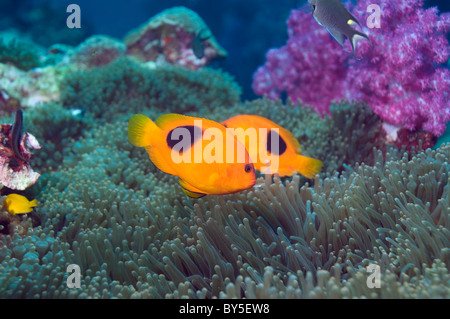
(166, 120)
(190, 190)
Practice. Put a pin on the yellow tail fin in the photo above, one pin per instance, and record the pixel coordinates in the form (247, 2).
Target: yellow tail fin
(33, 203)
(141, 129)
(308, 167)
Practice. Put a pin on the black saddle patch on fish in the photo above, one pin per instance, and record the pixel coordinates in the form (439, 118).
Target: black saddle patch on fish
(16, 134)
(178, 134)
(280, 145)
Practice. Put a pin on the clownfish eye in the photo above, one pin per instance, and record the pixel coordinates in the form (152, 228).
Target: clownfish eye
(248, 168)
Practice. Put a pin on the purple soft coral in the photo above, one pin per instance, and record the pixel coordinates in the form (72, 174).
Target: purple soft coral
(310, 67)
(399, 77)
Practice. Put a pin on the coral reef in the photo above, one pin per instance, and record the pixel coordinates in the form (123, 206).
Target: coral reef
(13, 224)
(281, 241)
(408, 139)
(15, 169)
(96, 51)
(22, 55)
(445, 138)
(28, 89)
(400, 79)
(55, 127)
(168, 38)
(134, 233)
(245, 28)
(127, 85)
(27, 76)
(30, 76)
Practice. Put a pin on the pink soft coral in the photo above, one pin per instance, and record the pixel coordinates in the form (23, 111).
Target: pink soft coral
(310, 67)
(399, 76)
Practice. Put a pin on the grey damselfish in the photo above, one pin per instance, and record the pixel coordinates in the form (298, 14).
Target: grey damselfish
(337, 20)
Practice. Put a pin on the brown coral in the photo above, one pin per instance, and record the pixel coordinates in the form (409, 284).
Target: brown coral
(168, 37)
(96, 51)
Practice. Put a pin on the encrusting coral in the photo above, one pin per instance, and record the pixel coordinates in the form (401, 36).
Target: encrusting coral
(169, 37)
(15, 154)
(127, 85)
(96, 51)
(31, 76)
(21, 54)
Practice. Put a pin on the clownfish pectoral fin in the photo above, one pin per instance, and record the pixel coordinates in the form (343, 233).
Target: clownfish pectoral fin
(158, 159)
(190, 190)
(307, 166)
(141, 130)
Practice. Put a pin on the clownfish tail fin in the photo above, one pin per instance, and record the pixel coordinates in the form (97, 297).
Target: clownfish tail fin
(308, 167)
(141, 130)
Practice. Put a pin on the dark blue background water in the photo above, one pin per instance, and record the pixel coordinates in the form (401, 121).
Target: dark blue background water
(246, 28)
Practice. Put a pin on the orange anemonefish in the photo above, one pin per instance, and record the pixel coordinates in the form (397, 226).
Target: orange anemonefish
(196, 150)
(272, 143)
(18, 204)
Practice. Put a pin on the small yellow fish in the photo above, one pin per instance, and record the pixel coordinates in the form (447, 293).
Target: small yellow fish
(18, 204)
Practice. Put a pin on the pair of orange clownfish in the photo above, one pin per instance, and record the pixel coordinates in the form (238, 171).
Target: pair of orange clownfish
(219, 158)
